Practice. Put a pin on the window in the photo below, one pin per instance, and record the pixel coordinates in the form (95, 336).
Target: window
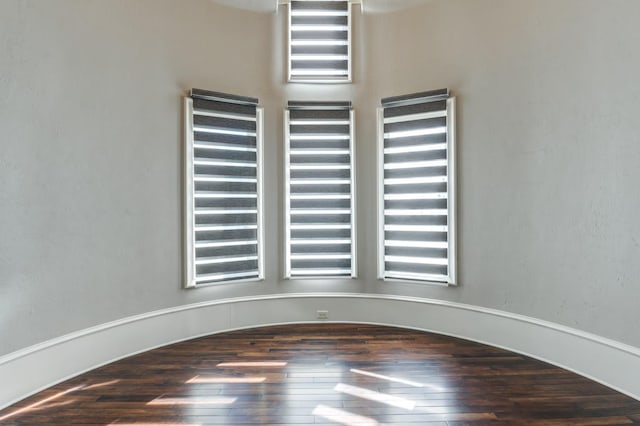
(320, 41)
(417, 188)
(320, 212)
(223, 166)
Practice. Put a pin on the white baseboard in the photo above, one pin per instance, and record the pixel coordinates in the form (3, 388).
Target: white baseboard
(38, 367)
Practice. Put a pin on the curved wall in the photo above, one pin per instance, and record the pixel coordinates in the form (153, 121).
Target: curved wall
(548, 150)
(91, 152)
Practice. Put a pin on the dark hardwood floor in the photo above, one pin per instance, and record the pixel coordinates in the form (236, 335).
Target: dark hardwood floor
(326, 374)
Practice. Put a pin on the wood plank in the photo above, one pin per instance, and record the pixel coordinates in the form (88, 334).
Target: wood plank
(326, 374)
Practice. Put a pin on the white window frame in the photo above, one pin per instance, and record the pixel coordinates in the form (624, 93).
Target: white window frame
(287, 204)
(189, 201)
(451, 279)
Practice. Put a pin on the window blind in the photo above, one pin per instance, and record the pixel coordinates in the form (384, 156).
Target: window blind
(223, 188)
(417, 187)
(320, 40)
(320, 227)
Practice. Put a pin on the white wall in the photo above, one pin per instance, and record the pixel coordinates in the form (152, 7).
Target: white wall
(549, 149)
(91, 133)
(90, 152)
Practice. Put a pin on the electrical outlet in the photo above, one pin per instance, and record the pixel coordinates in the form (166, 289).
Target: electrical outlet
(322, 315)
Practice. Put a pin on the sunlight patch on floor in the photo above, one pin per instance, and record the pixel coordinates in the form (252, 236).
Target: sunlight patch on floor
(225, 380)
(383, 398)
(253, 364)
(42, 404)
(388, 378)
(193, 401)
(343, 417)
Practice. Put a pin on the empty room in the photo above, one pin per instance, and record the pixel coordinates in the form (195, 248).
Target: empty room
(319, 212)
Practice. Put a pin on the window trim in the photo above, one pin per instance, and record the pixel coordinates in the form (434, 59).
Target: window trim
(189, 254)
(287, 201)
(286, 198)
(451, 201)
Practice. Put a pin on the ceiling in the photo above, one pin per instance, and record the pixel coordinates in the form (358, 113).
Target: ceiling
(371, 6)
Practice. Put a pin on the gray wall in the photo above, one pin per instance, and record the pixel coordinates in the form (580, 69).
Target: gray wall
(549, 149)
(91, 133)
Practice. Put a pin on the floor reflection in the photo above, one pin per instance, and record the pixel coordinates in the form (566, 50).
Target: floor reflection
(43, 403)
(253, 364)
(226, 380)
(193, 401)
(343, 417)
(388, 378)
(155, 424)
(371, 395)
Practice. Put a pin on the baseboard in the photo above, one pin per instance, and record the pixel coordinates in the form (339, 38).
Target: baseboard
(38, 367)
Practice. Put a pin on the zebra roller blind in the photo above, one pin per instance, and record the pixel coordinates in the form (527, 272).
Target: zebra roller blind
(320, 227)
(320, 41)
(417, 187)
(223, 188)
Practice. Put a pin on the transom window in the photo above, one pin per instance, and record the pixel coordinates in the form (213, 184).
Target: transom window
(320, 41)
